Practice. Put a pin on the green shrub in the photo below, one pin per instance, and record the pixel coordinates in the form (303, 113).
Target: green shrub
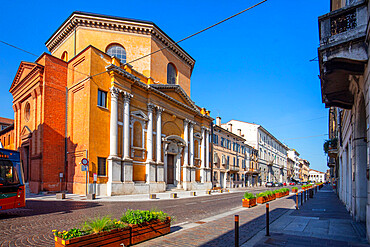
(141, 216)
(248, 195)
(262, 194)
(268, 193)
(294, 188)
(98, 224)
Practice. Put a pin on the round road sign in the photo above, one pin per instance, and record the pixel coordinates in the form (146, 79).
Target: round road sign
(84, 161)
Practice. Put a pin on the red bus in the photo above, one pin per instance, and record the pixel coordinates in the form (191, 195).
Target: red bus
(12, 188)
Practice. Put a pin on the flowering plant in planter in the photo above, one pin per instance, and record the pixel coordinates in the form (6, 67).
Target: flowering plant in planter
(133, 227)
(249, 200)
(295, 189)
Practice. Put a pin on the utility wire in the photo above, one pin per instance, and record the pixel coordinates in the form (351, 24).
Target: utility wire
(166, 47)
(201, 31)
(18, 48)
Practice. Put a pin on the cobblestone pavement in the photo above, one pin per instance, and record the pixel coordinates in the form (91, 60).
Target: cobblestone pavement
(32, 225)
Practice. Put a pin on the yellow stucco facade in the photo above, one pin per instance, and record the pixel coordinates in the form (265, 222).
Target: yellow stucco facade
(112, 106)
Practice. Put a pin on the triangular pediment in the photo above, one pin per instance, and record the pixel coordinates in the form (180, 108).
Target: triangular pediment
(139, 114)
(26, 132)
(24, 69)
(176, 93)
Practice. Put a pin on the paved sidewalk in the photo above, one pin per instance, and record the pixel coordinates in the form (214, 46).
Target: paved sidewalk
(321, 221)
(219, 230)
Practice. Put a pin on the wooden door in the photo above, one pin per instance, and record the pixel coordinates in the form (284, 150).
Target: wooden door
(170, 168)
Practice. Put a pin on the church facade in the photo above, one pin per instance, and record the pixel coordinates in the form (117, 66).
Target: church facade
(93, 99)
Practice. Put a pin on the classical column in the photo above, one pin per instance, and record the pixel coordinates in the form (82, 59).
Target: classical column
(203, 157)
(126, 125)
(159, 134)
(186, 171)
(150, 167)
(186, 139)
(113, 163)
(114, 121)
(191, 144)
(149, 133)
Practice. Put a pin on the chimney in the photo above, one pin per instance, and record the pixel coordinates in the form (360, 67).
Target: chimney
(230, 127)
(218, 121)
(239, 132)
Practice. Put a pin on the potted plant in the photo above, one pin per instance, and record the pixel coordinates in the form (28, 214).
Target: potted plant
(295, 189)
(330, 144)
(261, 198)
(134, 226)
(249, 200)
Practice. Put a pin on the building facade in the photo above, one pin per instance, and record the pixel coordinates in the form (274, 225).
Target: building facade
(5, 122)
(7, 137)
(272, 160)
(344, 70)
(229, 158)
(294, 156)
(133, 120)
(316, 176)
(304, 169)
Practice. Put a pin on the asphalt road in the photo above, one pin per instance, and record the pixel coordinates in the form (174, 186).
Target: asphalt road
(32, 225)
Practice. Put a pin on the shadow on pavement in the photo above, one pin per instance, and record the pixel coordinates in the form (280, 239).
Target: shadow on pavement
(35, 207)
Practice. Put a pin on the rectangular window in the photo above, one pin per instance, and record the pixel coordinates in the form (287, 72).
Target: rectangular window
(102, 98)
(102, 170)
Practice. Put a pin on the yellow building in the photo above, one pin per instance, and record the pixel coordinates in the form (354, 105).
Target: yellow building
(131, 118)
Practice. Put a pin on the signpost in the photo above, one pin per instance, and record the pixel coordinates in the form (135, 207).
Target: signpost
(95, 180)
(85, 167)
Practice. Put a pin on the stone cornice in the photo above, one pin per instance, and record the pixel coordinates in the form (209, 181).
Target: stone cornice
(36, 70)
(79, 19)
(120, 71)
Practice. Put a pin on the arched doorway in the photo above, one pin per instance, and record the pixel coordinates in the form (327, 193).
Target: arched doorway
(359, 168)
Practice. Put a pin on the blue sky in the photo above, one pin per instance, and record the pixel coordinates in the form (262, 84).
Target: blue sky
(253, 68)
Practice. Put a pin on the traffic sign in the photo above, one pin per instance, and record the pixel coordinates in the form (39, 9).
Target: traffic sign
(84, 161)
(84, 168)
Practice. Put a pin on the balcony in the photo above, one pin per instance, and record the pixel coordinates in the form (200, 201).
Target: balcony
(234, 168)
(252, 171)
(342, 52)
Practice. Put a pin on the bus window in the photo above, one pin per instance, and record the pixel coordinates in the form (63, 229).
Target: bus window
(8, 173)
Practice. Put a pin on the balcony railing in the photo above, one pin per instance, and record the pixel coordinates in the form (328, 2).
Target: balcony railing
(342, 52)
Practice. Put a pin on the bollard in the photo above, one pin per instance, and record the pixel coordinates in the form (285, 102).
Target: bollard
(301, 198)
(267, 219)
(296, 201)
(236, 230)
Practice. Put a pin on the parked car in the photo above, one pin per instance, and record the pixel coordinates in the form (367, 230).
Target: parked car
(284, 184)
(278, 184)
(304, 183)
(291, 183)
(269, 184)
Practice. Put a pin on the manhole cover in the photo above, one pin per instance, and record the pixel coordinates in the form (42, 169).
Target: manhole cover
(319, 209)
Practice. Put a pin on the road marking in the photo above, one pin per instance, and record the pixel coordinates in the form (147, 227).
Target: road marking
(171, 206)
(190, 203)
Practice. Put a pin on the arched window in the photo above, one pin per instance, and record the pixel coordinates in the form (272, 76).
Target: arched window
(117, 51)
(65, 56)
(171, 74)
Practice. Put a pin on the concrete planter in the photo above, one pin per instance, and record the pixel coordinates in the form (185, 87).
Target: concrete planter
(294, 190)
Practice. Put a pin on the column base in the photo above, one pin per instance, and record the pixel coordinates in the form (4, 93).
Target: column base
(127, 171)
(192, 173)
(152, 172)
(160, 172)
(203, 174)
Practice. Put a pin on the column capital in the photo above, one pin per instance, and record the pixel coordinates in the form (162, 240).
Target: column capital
(159, 109)
(192, 123)
(151, 107)
(114, 92)
(127, 96)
